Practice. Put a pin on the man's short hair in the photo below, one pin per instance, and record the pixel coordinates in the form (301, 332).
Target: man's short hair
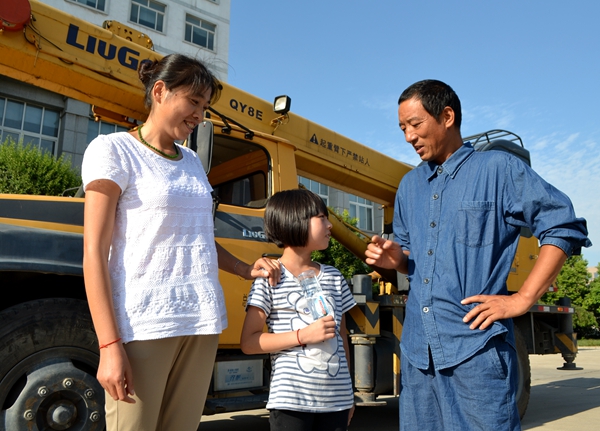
(434, 96)
(288, 214)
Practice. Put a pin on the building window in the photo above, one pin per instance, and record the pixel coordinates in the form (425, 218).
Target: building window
(96, 4)
(148, 13)
(31, 124)
(200, 32)
(96, 128)
(320, 189)
(362, 210)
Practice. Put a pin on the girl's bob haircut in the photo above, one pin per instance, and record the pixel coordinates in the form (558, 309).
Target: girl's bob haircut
(288, 214)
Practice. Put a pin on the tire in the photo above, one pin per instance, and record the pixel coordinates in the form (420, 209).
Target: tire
(48, 362)
(524, 385)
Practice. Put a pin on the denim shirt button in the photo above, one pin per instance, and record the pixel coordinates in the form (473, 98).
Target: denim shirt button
(425, 309)
(440, 170)
(435, 196)
(432, 224)
(429, 252)
(426, 281)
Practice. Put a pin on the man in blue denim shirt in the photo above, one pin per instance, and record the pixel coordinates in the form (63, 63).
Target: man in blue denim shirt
(456, 227)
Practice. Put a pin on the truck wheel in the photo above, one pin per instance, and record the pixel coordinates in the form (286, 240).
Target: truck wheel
(48, 362)
(524, 385)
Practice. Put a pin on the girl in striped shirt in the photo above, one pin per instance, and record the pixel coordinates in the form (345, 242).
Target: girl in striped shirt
(310, 385)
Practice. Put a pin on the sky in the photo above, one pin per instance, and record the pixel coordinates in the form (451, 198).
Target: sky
(530, 67)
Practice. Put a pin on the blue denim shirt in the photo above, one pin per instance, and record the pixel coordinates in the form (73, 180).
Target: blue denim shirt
(461, 223)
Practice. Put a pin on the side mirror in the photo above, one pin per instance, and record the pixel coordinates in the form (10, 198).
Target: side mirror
(201, 141)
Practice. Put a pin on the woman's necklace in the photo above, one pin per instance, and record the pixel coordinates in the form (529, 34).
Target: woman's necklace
(162, 153)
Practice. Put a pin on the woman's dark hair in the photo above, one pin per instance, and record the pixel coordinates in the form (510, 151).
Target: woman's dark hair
(434, 96)
(178, 70)
(288, 214)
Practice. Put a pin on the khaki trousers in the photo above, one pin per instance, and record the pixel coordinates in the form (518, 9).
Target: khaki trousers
(171, 377)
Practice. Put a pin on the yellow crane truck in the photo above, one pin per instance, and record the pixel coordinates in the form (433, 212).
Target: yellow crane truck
(48, 348)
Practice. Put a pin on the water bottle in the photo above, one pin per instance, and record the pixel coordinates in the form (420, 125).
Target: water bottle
(315, 297)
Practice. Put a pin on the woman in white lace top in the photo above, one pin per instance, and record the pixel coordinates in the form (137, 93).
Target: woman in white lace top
(150, 259)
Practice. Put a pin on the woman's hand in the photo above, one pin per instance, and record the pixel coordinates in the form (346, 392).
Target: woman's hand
(265, 268)
(114, 373)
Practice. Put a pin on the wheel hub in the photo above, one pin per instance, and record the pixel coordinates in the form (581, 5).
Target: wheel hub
(61, 415)
(56, 395)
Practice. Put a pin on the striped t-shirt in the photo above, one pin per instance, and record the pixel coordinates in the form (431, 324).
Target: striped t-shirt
(314, 378)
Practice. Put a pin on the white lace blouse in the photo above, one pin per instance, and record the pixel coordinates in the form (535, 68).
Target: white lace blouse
(163, 260)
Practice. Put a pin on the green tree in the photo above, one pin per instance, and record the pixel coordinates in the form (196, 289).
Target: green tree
(25, 169)
(573, 281)
(338, 256)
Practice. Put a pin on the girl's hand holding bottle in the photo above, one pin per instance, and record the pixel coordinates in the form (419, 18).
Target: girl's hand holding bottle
(318, 331)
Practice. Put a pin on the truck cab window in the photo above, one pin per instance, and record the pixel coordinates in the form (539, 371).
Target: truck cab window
(240, 172)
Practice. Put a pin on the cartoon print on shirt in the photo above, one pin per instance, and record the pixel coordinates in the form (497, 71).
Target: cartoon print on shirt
(325, 357)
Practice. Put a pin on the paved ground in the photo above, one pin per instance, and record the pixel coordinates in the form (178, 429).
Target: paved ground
(560, 401)
(564, 400)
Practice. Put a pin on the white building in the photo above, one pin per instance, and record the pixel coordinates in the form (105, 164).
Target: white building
(593, 271)
(63, 126)
(368, 214)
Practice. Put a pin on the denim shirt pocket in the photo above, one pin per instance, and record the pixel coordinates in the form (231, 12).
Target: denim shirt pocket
(475, 223)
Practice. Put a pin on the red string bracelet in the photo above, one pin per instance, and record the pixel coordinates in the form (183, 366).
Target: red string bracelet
(112, 342)
(298, 338)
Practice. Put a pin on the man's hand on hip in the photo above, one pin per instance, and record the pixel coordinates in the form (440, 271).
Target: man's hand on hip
(494, 307)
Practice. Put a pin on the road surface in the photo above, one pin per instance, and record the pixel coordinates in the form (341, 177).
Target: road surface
(560, 401)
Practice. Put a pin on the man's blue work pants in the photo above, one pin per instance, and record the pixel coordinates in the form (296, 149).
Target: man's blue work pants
(478, 394)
